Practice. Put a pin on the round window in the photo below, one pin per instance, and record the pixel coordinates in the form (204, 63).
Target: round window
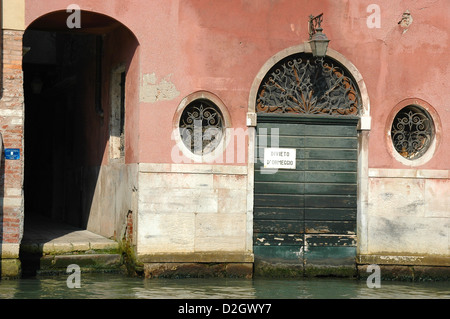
(412, 132)
(201, 126)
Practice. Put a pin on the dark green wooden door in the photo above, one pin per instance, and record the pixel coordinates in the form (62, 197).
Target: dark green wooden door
(307, 215)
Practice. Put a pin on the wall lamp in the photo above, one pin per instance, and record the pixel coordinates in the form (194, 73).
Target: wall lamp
(317, 39)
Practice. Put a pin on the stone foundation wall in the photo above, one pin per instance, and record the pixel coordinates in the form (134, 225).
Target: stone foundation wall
(408, 217)
(192, 212)
(112, 200)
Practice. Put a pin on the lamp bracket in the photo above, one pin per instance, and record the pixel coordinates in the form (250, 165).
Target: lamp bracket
(314, 24)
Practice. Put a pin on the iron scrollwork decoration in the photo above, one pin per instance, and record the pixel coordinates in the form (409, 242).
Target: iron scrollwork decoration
(201, 126)
(314, 24)
(305, 85)
(412, 132)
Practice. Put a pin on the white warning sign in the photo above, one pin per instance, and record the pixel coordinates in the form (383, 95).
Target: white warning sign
(279, 158)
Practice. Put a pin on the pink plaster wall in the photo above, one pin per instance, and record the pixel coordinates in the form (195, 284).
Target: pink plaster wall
(219, 46)
(125, 50)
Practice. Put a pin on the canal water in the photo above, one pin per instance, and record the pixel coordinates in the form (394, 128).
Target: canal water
(117, 286)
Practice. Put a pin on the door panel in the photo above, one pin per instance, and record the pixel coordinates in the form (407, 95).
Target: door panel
(306, 215)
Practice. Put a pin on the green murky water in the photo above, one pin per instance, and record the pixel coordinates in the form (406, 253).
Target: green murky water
(115, 286)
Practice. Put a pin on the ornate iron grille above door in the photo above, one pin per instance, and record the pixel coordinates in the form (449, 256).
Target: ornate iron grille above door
(303, 84)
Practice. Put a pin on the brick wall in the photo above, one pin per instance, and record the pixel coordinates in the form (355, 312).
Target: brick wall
(11, 124)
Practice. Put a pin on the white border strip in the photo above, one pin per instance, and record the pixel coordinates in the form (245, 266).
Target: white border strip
(408, 173)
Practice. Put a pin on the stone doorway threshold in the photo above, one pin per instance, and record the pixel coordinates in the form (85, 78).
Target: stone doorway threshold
(51, 237)
(50, 246)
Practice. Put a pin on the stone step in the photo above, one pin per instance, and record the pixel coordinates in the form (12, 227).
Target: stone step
(37, 264)
(71, 247)
(92, 254)
(84, 261)
(49, 247)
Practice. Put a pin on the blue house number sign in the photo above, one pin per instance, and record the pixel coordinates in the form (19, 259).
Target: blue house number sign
(12, 153)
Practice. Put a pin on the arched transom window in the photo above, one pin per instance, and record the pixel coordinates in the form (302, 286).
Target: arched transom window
(303, 84)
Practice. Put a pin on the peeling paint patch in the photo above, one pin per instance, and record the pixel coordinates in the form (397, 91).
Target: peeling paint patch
(406, 21)
(153, 91)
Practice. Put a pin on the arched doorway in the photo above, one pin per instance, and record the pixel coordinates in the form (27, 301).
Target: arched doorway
(309, 162)
(78, 140)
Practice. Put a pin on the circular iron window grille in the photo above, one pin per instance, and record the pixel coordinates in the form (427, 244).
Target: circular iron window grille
(201, 126)
(412, 132)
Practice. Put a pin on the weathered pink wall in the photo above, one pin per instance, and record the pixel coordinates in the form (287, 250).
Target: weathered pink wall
(119, 47)
(219, 46)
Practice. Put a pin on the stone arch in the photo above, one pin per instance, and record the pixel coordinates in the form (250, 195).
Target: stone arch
(305, 48)
(76, 68)
(91, 22)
